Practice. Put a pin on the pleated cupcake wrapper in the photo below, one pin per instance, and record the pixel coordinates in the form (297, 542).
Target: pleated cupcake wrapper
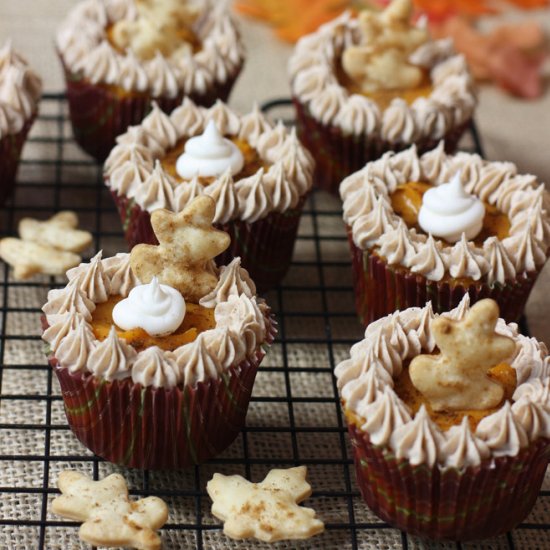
(337, 155)
(10, 153)
(473, 503)
(381, 289)
(99, 113)
(158, 428)
(265, 246)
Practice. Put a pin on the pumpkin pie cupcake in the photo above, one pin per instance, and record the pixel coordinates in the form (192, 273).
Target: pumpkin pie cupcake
(119, 55)
(20, 89)
(374, 83)
(258, 174)
(449, 418)
(156, 351)
(435, 227)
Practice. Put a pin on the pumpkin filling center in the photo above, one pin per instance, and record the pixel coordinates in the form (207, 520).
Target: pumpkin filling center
(502, 373)
(406, 202)
(252, 161)
(383, 98)
(197, 319)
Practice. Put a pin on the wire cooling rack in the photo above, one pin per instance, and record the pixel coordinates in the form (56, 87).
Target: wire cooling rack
(294, 417)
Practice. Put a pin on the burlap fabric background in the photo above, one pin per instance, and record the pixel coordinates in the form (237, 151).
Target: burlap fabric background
(294, 417)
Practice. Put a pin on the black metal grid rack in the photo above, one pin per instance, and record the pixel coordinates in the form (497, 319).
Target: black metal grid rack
(294, 417)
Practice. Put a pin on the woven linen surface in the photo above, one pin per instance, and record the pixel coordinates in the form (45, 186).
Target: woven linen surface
(294, 417)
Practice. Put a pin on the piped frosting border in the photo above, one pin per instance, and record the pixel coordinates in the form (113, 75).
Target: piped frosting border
(374, 224)
(243, 325)
(84, 48)
(314, 83)
(133, 168)
(366, 382)
(20, 90)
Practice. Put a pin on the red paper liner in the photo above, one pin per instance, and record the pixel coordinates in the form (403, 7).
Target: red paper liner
(381, 289)
(99, 113)
(265, 246)
(477, 502)
(158, 428)
(10, 152)
(337, 155)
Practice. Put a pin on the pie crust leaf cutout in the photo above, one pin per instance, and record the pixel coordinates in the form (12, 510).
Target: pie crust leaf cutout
(109, 517)
(267, 511)
(457, 378)
(187, 244)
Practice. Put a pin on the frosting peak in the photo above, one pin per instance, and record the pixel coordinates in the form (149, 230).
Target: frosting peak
(448, 211)
(209, 154)
(157, 309)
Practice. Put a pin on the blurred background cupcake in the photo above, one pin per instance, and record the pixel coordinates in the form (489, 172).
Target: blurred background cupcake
(436, 456)
(20, 89)
(435, 227)
(156, 351)
(119, 55)
(259, 175)
(373, 83)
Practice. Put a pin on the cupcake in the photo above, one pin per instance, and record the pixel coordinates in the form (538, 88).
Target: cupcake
(258, 174)
(374, 83)
(20, 89)
(119, 55)
(156, 351)
(449, 417)
(435, 227)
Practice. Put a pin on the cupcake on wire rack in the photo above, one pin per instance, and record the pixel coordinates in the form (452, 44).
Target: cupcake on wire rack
(119, 55)
(258, 174)
(156, 351)
(449, 417)
(375, 83)
(436, 226)
(20, 89)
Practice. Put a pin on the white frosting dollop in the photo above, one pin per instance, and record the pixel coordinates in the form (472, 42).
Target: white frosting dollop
(448, 211)
(209, 155)
(157, 309)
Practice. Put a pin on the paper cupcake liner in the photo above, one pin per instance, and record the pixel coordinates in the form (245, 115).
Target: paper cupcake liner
(265, 246)
(381, 289)
(473, 503)
(11, 146)
(158, 428)
(99, 113)
(338, 155)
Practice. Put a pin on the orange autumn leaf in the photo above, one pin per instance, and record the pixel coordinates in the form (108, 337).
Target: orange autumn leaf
(310, 20)
(529, 4)
(293, 18)
(253, 9)
(442, 9)
(438, 10)
(526, 35)
(510, 55)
